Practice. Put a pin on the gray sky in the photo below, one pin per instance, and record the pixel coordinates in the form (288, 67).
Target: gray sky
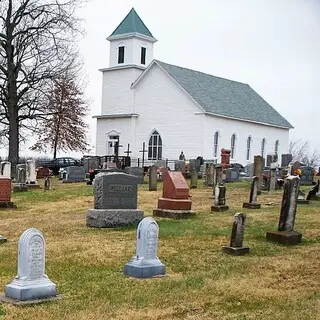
(273, 45)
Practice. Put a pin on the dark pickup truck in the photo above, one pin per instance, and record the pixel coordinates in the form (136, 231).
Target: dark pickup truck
(58, 163)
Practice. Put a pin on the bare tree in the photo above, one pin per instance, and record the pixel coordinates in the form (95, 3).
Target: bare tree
(64, 127)
(37, 44)
(300, 151)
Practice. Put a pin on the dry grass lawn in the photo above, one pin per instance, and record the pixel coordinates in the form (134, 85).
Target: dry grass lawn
(272, 282)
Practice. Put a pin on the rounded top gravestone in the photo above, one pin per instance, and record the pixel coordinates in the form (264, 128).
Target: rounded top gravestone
(31, 255)
(147, 239)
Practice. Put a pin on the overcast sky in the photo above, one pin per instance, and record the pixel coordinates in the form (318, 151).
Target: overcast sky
(273, 45)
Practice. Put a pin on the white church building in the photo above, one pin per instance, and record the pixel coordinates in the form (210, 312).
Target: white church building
(173, 109)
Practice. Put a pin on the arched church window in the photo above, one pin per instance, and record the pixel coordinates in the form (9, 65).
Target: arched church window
(233, 145)
(263, 147)
(121, 54)
(155, 146)
(249, 140)
(276, 147)
(216, 144)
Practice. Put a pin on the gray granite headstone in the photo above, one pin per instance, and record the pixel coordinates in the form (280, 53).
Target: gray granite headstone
(249, 170)
(136, 171)
(20, 185)
(194, 164)
(286, 159)
(180, 165)
(257, 170)
(194, 179)
(115, 201)
(31, 283)
(74, 174)
(272, 179)
(146, 264)
(153, 178)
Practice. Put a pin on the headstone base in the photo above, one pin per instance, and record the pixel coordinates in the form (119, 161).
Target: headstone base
(173, 214)
(302, 201)
(113, 218)
(7, 205)
(252, 205)
(28, 302)
(314, 198)
(193, 186)
(3, 239)
(174, 204)
(284, 237)
(23, 290)
(219, 208)
(138, 269)
(33, 186)
(73, 180)
(20, 187)
(235, 251)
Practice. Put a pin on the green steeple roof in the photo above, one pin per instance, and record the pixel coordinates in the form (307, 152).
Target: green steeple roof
(132, 23)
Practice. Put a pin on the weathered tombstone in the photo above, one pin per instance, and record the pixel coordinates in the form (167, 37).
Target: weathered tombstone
(2, 239)
(209, 175)
(47, 184)
(217, 178)
(5, 168)
(314, 193)
(5, 194)
(153, 178)
(306, 177)
(20, 185)
(248, 169)
(31, 284)
(286, 159)
(31, 174)
(257, 170)
(253, 204)
(160, 163)
(272, 179)
(146, 264)
(136, 171)
(194, 179)
(115, 201)
(220, 199)
(174, 202)
(180, 165)
(43, 172)
(232, 175)
(194, 164)
(286, 234)
(301, 198)
(236, 247)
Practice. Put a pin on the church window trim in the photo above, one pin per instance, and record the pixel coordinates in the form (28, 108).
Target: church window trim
(249, 143)
(263, 147)
(121, 52)
(215, 144)
(155, 146)
(233, 146)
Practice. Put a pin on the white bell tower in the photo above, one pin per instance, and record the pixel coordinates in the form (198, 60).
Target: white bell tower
(131, 43)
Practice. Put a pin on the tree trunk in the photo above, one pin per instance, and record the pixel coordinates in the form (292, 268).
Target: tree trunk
(14, 141)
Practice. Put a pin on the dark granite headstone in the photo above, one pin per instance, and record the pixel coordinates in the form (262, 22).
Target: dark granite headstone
(136, 171)
(286, 234)
(286, 159)
(253, 204)
(236, 247)
(74, 174)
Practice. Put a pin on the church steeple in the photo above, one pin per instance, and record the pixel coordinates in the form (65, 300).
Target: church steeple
(131, 43)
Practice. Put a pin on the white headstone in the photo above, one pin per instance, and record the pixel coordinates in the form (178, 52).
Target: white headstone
(31, 283)
(5, 168)
(146, 264)
(31, 171)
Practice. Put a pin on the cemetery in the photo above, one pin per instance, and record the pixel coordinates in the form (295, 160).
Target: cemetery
(138, 245)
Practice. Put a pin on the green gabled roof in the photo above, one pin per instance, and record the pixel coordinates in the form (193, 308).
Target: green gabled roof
(132, 23)
(225, 97)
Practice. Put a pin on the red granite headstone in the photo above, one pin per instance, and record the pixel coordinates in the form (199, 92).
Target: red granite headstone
(174, 185)
(5, 190)
(225, 158)
(43, 172)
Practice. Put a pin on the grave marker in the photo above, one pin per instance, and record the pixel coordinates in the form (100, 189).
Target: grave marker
(31, 283)
(153, 178)
(5, 194)
(146, 264)
(253, 203)
(236, 247)
(174, 202)
(194, 179)
(115, 201)
(286, 234)
(257, 170)
(220, 199)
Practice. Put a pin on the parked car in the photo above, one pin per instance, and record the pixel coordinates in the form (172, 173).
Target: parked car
(58, 163)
